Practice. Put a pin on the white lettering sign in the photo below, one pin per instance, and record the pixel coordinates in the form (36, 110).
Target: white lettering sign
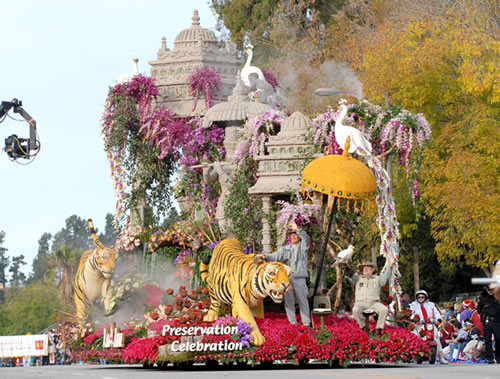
(198, 330)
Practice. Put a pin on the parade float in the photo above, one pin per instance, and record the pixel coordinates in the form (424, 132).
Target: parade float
(243, 168)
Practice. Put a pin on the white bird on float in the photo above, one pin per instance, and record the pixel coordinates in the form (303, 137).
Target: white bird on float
(123, 78)
(247, 69)
(358, 140)
(344, 256)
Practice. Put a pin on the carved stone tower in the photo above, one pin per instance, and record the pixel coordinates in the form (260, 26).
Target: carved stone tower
(193, 48)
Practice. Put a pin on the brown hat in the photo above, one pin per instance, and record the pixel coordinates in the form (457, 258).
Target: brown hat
(367, 263)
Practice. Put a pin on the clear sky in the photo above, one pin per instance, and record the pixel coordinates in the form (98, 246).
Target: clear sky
(59, 58)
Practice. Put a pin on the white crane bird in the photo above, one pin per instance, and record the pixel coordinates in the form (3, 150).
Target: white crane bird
(358, 140)
(247, 69)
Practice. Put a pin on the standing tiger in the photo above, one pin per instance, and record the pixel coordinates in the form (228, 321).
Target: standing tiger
(93, 277)
(240, 280)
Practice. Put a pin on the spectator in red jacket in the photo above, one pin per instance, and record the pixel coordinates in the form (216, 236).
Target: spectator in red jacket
(475, 317)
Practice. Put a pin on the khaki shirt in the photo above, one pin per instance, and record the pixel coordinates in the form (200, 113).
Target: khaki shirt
(368, 287)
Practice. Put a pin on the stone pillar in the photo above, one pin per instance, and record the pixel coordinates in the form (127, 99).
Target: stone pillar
(266, 228)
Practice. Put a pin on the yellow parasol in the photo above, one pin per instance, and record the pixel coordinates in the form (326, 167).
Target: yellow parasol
(338, 176)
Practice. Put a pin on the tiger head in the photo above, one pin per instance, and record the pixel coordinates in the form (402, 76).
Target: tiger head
(274, 282)
(106, 261)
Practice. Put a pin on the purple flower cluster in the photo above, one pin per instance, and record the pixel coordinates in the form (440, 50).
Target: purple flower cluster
(244, 329)
(302, 213)
(205, 79)
(213, 244)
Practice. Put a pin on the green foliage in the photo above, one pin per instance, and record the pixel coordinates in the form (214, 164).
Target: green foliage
(74, 234)
(29, 309)
(245, 18)
(18, 278)
(253, 19)
(245, 210)
(108, 238)
(41, 261)
(64, 261)
(4, 259)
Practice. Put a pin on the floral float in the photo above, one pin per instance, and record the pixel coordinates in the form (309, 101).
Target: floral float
(341, 342)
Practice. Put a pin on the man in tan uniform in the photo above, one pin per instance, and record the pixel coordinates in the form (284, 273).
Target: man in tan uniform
(367, 294)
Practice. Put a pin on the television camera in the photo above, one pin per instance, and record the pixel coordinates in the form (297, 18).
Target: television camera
(16, 147)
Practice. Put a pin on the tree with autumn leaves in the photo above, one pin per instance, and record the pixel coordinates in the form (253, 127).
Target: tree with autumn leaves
(439, 58)
(447, 67)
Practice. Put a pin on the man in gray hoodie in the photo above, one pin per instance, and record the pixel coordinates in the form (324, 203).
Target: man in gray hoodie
(295, 255)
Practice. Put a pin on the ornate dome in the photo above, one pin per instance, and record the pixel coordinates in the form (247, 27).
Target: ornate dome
(195, 36)
(237, 108)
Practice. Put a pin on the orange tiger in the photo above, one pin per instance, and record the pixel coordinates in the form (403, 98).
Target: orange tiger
(243, 281)
(93, 277)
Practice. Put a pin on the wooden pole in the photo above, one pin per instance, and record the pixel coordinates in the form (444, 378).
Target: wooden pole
(325, 244)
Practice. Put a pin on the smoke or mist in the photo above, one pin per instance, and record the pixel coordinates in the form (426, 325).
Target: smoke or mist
(300, 81)
(155, 268)
(338, 75)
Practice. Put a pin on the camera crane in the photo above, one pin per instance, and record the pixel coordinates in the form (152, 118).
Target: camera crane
(16, 147)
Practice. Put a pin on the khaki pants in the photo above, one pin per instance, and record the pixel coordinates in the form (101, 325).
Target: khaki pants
(360, 306)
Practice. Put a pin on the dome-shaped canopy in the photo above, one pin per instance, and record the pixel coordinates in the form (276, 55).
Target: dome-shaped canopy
(195, 36)
(340, 176)
(238, 107)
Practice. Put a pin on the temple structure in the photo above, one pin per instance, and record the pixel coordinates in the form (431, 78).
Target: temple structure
(280, 166)
(193, 48)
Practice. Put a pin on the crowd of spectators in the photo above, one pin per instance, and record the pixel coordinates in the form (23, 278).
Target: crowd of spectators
(469, 330)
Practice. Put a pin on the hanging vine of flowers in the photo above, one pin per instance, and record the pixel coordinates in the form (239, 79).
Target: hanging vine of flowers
(142, 144)
(202, 146)
(206, 80)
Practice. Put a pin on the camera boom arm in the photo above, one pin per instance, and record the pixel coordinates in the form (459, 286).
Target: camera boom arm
(20, 147)
(17, 105)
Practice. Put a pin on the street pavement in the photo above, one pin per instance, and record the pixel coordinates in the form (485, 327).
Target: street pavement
(316, 371)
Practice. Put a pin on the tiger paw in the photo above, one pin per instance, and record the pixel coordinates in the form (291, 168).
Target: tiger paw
(257, 338)
(210, 316)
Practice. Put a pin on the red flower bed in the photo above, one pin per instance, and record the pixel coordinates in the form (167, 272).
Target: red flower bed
(142, 350)
(347, 343)
(110, 355)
